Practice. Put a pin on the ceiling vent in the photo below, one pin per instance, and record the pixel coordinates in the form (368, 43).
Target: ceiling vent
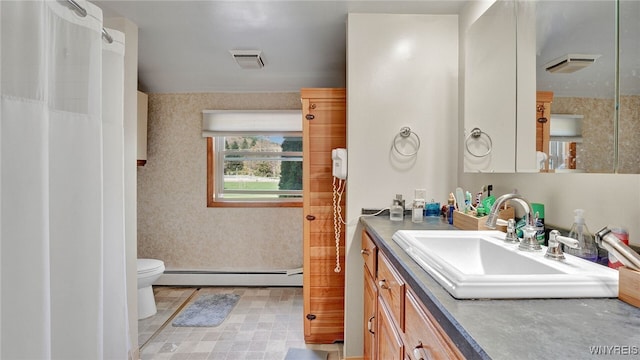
(248, 59)
(570, 63)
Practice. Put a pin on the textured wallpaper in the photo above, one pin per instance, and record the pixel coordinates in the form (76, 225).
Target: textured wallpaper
(628, 135)
(596, 153)
(174, 223)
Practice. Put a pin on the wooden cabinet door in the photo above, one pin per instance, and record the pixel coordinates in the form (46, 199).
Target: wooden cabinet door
(370, 302)
(369, 253)
(543, 123)
(324, 129)
(389, 342)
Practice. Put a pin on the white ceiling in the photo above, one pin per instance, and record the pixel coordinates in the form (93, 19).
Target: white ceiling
(184, 45)
(588, 27)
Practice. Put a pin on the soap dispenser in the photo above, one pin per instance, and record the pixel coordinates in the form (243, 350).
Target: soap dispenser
(588, 249)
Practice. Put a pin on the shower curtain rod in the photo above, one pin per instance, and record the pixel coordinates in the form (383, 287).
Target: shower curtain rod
(83, 12)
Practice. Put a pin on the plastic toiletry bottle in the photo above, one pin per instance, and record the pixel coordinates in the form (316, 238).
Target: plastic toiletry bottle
(623, 235)
(396, 211)
(432, 208)
(417, 211)
(538, 212)
(588, 249)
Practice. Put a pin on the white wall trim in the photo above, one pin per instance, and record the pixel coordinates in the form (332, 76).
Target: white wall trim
(217, 278)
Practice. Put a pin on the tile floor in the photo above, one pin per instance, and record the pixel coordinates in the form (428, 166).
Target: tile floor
(263, 325)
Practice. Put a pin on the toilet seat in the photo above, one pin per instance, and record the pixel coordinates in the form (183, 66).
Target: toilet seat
(146, 266)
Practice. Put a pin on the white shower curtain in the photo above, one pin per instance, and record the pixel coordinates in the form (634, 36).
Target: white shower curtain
(116, 325)
(54, 265)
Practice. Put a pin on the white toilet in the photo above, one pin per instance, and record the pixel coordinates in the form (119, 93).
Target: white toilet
(149, 270)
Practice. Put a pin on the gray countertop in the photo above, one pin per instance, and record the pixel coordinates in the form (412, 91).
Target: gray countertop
(515, 329)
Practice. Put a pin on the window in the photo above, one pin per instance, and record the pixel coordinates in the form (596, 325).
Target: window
(256, 161)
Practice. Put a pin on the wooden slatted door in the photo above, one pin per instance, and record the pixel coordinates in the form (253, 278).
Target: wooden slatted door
(543, 123)
(324, 128)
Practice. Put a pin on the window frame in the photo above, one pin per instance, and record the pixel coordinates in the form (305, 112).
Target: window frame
(211, 186)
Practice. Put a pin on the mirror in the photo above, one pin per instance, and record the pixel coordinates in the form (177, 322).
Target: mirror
(576, 63)
(576, 59)
(629, 111)
(490, 96)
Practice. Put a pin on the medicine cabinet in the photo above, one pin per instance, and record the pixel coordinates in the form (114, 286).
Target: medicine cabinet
(498, 91)
(503, 72)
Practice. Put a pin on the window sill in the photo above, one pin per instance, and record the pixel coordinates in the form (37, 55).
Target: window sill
(256, 204)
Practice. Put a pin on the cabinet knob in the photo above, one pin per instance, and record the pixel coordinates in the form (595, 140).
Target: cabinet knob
(310, 217)
(421, 352)
(310, 117)
(383, 284)
(311, 317)
(364, 251)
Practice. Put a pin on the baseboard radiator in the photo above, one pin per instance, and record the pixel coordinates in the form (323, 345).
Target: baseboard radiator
(291, 277)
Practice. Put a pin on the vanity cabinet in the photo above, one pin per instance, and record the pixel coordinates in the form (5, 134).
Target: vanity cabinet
(404, 327)
(324, 129)
(370, 257)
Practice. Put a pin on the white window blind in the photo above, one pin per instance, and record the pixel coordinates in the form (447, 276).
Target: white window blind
(249, 122)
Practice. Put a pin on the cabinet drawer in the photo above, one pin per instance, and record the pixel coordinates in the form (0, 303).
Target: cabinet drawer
(369, 254)
(391, 289)
(423, 337)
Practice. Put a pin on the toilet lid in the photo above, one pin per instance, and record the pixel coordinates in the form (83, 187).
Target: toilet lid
(149, 265)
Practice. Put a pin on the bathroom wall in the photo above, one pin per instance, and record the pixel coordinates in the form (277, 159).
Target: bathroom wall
(608, 199)
(395, 79)
(174, 223)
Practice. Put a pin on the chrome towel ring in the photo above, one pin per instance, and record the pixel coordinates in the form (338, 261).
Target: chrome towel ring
(475, 134)
(405, 133)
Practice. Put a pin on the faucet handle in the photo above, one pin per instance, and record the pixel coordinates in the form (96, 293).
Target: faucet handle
(555, 250)
(511, 236)
(570, 242)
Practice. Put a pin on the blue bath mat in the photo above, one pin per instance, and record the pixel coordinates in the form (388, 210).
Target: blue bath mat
(207, 310)
(306, 354)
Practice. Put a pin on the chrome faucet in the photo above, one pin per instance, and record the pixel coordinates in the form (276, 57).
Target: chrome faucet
(529, 241)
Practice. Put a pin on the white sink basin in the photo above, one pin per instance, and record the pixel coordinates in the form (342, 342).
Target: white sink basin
(479, 264)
